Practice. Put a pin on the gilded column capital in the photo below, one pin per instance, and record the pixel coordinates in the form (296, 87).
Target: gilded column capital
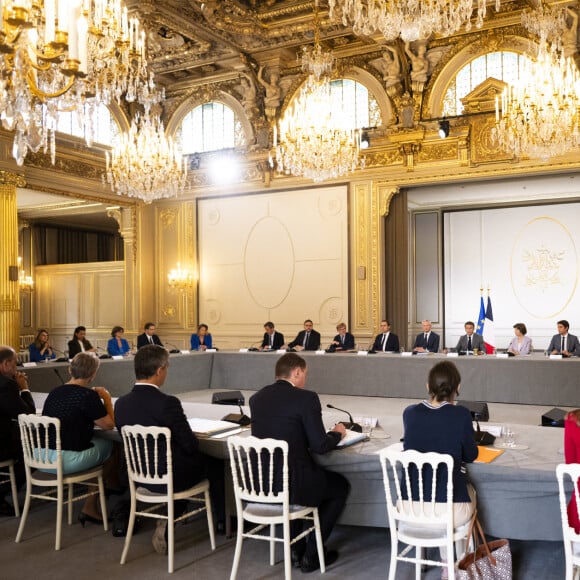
(9, 178)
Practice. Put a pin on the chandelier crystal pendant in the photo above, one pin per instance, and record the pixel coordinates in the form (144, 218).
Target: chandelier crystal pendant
(314, 140)
(409, 19)
(540, 113)
(145, 163)
(64, 55)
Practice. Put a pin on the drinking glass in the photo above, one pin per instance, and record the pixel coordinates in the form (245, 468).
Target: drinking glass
(367, 426)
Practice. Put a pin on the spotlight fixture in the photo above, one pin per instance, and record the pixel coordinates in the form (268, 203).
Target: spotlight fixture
(444, 129)
(365, 140)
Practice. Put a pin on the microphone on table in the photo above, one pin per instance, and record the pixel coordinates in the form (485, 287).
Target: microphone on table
(174, 349)
(105, 353)
(242, 419)
(350, 425)
(253, 348)
(62, 357)
(482, 437)
(58, 375)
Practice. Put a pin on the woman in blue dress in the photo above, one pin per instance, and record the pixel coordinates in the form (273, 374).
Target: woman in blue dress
(202, 339)
(40, 350)
(118, 346)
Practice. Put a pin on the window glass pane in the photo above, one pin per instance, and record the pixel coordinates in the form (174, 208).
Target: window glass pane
(502, 65)
(104, 125)
(355, 102)
(209, 127)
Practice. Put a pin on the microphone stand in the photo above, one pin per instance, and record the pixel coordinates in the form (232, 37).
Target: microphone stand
(62, 358)
(242, 419)
(105, 353)
(58, 375)
(174, 349)
(351, 424)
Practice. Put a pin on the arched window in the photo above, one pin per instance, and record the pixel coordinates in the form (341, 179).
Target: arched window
(502, 65)
(209, 127)
(104, 126)
(357, 103)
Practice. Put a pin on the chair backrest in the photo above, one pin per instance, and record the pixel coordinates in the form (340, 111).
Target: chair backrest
(259, 469)
(148, 455)
(411, 475)
(568, 476)
(40, 438)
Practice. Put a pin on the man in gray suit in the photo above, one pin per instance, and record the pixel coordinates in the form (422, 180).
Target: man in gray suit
(470, 341)
(564, 343)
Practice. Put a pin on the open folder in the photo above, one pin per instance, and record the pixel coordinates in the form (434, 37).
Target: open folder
(487, 454)
(212, 427)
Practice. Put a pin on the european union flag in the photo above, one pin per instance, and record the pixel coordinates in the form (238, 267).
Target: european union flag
(481, 318)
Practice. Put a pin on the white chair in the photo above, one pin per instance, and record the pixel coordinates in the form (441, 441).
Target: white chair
(422, 523)
(253, 483)
(568, 476)
(142, 447)
(35, 435)
(7, 470)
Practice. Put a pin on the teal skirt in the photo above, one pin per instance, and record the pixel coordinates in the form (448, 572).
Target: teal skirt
(73, 461)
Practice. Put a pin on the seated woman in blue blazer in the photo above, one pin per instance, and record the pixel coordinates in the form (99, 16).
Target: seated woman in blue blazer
(40, 350)
(118, 346)
(202, 339)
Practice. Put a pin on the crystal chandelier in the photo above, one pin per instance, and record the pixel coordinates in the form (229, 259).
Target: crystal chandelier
(179, 279)
(145, 163)
(314, 139)
(409, 19)
(25, 282)
(64, 55)
(540, 113)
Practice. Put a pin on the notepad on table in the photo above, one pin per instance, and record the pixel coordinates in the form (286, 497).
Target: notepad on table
(212, 427)
(351, 438)
(487, 454)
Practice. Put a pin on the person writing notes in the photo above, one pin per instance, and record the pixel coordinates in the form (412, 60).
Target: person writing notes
(520, 344)
(564, 343)
(286, 410)
(273, 340)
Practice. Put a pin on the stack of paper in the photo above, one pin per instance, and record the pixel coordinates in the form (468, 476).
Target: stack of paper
(212, 427)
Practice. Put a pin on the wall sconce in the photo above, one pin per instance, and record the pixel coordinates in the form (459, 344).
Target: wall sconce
(444, 129)
(180, 279)
(26, 283)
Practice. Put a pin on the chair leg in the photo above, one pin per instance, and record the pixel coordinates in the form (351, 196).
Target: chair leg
(418, 558)
(129, 529)
(209, 519)
(238, 551)
(272, 544)
(69, 502)
(287, 558)
(25, 510)
(59, 502)
(103, 502)
(170, 536)
(319, 544)
(14, 490)
(394, 550)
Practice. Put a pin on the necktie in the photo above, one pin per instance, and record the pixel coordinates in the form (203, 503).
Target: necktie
(342, 339)
(384, 342)
(426, 337)
(305, 343)
(469, 343)
(271, 340)
(563, 347)
(150, 340)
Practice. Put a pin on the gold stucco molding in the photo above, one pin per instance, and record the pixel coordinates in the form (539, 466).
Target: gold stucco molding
(9, 178)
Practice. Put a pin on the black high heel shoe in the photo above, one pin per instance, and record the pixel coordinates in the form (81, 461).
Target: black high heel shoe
(83, 518)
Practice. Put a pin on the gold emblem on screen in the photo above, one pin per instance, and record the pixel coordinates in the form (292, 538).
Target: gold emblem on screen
(543, 267)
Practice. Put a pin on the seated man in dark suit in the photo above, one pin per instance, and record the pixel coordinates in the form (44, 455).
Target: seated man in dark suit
(147, 405)
(307, 339)
(470, 341)
(386, 341)
(15, 399)
(564, 343)
(273, 340)
(426, 341)
(285, 410)
(149, 336)
(343, 340)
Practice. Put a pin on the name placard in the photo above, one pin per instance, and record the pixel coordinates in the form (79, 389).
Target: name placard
(320, 352)
(555, 357)
(452, 354)
(362, 353)
(502, 355)
(406, 353)
(244, 350)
